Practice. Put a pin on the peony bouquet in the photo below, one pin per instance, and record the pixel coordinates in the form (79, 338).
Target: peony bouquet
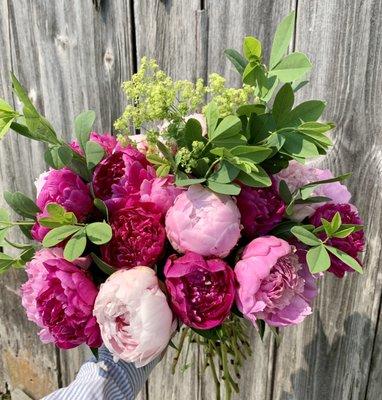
(207, 220)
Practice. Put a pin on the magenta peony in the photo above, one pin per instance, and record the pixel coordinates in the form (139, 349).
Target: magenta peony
(135, 319)
(138, 236)
(67, 189)
(261, 210)
(203, 222)
(297, 175)
(202, 291)
(160, 191)
(59, 297)
(273, 285)
(352, 244)
(120, 175)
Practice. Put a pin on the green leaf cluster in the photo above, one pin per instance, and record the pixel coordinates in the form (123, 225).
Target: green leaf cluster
(64, 226)
(318, 256)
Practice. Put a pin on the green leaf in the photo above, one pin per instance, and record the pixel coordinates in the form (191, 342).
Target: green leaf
(292, 67)
(55, 210)
(39, 128)
(5, 125)
(57, 235)
(20, 246)
(255, 178)
(166, 152)
(230, 142)
(5, 107)
(299, 147)
(282, 39)
(345, 258)
(307, 189)
(212, 117)
(304, 236)
(225, 174)
(224, 188)
(228, 127)
(283, 103)
(265, 84)
(307, 111)
(104, 267)
(249, 74)
(236, 59)
(52, 158)
(5, 262)
(318, 259)
(343, 233)
(251, 48)
(336, 222)
(75, 246)
(22, 94)
(75, 162)
(27, 254)
(99, 232)
(163, 170)
(83, 124)
(21, 204)
(284, 192)
(212, 334)
(94, 153)
(155, 159)
(256, 154)
(188, 181)
(192, 132)
(102, 207)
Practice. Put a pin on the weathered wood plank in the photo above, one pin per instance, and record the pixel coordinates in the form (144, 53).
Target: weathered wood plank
(68, 66)
(328, 356)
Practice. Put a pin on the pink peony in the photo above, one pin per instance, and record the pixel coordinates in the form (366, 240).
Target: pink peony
(202, 291)
(121, 174)
(297, 175)
(64, 187)
(352, 244)
(106, 141)
(135, 319)
(273, 285)
(160, 191)
(140, 141)
(138, 236)
(203, 222)
(261, 210)
(40, 181)
(59, 297)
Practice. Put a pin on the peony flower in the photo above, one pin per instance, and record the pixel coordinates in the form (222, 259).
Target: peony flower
(135, 320)
(352, 244)
(120, 175)
(202, 291)
(64, 187)
(261, 210)
(272, 284)
(140, 141)
(297, 175)
(203, 222)
(59, 297)
(138, 236)
(106, 141)
(160, 191)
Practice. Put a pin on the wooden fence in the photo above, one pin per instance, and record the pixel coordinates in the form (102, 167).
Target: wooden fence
(73, 55)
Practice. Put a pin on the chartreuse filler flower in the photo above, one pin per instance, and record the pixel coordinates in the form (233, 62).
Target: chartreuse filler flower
(205, 222)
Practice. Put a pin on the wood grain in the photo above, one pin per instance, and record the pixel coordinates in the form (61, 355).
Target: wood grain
(328, 356)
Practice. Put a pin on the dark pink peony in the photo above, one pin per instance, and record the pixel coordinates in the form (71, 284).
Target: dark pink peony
(106, 141)
(66, 188)
(59, 297)
(201, 290)
(261, 210)
(272, 284)
(120, 175)
(352, 244)
(138, 236)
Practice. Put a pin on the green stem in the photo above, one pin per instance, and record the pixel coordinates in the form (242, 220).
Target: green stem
(227, 383)
(180, 346)
(17, 223)
(212, 166)
(214, 374)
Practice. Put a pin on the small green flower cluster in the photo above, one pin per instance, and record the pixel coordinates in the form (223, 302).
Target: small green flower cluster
(228, 99)
(154, 96)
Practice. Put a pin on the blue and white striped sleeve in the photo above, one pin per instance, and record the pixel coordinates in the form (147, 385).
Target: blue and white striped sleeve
(105, 379)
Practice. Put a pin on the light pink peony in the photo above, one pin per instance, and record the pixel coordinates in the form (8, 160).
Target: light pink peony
(297, 175)
(59, 297)
(140, 141)
(203, 222)
(160, 191)
(273, 285)
(202, 291)
(135, 319)
(40, 181)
